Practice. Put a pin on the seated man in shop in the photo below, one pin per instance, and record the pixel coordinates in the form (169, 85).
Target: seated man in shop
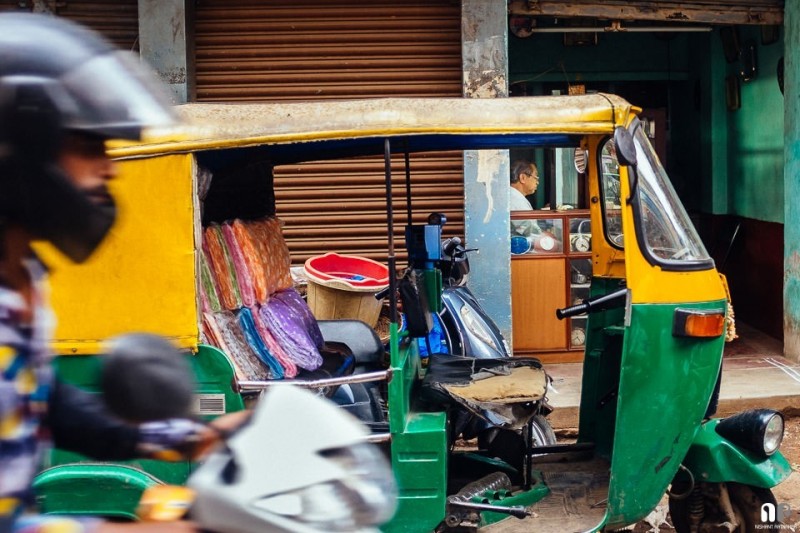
(524, 181)
(526, 235)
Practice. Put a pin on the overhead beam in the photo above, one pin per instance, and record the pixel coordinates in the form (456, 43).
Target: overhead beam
(706, 12)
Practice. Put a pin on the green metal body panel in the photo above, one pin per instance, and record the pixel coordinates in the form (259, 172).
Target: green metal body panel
(419, 446)
(73, 483)
(65, 490)
(406, 369)
(601, 370)
(665, 386)
(712, 458)
(164, 472)
(432, 281)
(214, 374)
(419, 462)
(537, 492)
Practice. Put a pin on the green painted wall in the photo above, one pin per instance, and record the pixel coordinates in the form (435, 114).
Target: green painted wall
(650, 70)
(543, 57)
(710, 70)
(720, 161)
(791, 245)
(755, 138)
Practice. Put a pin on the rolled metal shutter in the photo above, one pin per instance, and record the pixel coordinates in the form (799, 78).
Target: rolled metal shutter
(248, 50)
(116, 20)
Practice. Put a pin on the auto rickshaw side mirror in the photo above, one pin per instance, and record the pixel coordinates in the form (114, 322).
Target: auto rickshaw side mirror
(579, 158)
(626, 150)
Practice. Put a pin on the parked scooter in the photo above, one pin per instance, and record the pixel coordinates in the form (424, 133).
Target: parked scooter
(471, 342)
(471, 333)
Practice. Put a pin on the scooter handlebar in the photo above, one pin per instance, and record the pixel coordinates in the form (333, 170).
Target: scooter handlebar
(607, 301)
(450, 245)
(380, 295)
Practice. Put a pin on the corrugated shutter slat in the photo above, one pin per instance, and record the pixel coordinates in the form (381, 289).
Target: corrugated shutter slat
(249, 50)
(116, 20)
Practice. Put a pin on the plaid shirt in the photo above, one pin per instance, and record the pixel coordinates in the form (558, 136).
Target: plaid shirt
(25, 379)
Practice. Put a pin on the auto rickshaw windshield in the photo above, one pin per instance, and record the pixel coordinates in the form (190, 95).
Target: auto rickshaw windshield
(663, 226)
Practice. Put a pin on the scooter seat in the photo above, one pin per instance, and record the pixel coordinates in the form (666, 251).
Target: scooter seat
(356, 335)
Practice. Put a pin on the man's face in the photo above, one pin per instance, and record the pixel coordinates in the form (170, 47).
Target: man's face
(83, 158)
(530, 180)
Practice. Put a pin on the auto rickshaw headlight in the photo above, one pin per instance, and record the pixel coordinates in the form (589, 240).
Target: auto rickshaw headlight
(773, 435)
(757, 430)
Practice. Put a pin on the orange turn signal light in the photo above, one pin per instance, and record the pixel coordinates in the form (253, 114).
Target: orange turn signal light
(698, 323)
(164, 503)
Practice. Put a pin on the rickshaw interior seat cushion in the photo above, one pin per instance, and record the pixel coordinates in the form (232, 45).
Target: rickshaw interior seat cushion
(358, 336)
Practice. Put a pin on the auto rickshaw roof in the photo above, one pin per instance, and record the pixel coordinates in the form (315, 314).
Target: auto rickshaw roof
(288, 131)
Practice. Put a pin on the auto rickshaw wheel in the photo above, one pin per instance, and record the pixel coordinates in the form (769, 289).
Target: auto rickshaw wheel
(704, 502)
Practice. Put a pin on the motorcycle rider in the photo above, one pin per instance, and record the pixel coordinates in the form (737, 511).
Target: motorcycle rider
(64, 91)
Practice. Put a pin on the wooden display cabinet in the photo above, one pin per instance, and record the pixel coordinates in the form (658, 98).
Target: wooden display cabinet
(551, 268)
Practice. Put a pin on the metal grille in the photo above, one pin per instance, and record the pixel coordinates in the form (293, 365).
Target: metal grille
(248, 50)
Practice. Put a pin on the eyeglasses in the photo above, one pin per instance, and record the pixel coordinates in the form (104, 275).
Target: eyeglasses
(531, 175)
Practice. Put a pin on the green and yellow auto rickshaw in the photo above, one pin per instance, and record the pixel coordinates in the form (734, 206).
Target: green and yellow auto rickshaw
(653, 341)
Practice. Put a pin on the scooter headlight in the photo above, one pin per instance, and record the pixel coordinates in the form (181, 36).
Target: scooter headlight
(757, 430)
(476, 326)
(366, 496)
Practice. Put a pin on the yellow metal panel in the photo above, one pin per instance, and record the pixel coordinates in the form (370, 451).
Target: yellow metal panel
(216, 126)
(607, 261)
(142, 278)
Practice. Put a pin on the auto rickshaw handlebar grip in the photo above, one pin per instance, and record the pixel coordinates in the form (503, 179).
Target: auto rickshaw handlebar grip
(607, 301)
(572, 310)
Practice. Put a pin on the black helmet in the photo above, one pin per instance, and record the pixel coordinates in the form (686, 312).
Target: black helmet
(145, 377)
(58, 77)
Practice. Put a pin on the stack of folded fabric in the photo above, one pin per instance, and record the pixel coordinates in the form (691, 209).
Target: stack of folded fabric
(224, 331)
(250, 310)
(220, 263)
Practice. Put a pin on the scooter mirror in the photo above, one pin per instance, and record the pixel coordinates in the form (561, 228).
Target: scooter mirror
(437, 219)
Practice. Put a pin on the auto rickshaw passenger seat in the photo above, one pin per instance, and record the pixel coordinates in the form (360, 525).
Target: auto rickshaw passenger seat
(359, 337)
